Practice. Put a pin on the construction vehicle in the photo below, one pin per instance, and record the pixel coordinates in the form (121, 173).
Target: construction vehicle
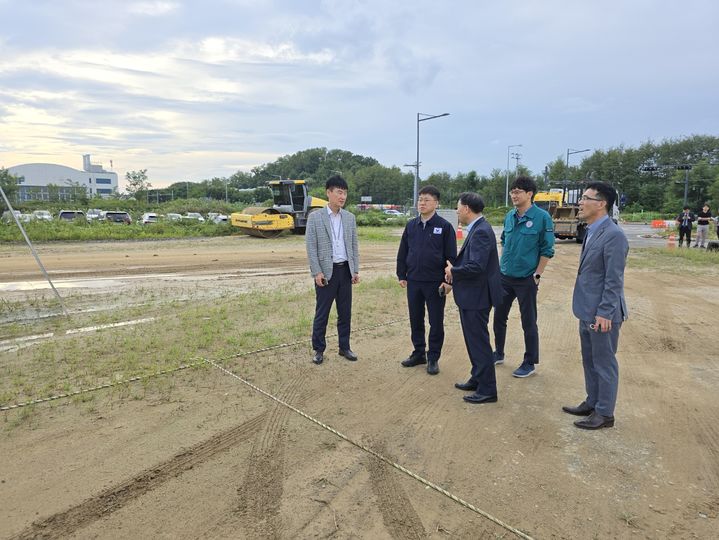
(563, 205)
(292, 206)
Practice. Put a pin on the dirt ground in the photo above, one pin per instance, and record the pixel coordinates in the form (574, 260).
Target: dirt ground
(220, 460)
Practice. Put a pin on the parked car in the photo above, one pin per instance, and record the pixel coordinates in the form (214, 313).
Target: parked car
(7, 216)
(116, 216)
(194, 215)
(42, 215)
(148, 217)
(220, 218)
(393, 212)
(173, 217)
(93, 213)
(71, 215)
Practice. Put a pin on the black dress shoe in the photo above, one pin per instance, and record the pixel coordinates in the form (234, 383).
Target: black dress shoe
(415, 360)
(348, 354)
(318, 357)
(479, 398)
(466, 386)
(580, 410)
(595, 421)
(432, 367)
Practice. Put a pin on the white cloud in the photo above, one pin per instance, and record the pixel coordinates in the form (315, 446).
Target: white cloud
(152, 9)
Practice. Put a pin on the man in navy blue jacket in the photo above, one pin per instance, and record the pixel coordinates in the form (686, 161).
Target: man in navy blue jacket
(428, 242)
(477, 288)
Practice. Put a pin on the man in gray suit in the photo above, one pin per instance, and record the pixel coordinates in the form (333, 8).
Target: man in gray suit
(333, 253)
(599, 305)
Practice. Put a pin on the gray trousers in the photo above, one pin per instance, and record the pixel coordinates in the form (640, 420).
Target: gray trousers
(601, 371)
(702, 235)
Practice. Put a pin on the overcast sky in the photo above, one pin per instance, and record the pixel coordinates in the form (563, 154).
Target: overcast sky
(194, 89)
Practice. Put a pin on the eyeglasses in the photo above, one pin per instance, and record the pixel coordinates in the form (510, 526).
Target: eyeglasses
(517, 191)
(588, 198)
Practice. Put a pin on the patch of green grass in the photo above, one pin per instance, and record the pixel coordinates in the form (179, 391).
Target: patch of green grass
(213, 329)
(379, 234)
(674, 260)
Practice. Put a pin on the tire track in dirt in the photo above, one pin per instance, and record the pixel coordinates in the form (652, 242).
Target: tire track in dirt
(398, 515)
(63, 524)
(257, 512)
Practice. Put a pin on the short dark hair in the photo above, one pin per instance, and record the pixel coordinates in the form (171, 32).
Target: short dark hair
(430, 190)
(336, 181)
(686, 207)
(605, 192)
(525, 183)
(473, 200)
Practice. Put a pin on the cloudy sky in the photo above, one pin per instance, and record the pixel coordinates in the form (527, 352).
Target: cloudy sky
(194, 89)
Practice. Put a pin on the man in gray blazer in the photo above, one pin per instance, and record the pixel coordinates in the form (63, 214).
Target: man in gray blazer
(333, 253)
(599, 305)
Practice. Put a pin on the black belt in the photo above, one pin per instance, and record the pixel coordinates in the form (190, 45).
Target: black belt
(343, 263)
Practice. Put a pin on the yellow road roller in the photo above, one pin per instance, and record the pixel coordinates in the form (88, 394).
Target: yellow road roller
(291, 208)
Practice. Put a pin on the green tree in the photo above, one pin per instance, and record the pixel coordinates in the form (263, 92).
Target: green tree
(137, 183)
(9, 184)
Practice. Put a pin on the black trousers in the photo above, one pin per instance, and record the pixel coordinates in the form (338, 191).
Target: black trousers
(685, 232)
(419, 295)
(339, 290)
(525, 291)
(475, 327)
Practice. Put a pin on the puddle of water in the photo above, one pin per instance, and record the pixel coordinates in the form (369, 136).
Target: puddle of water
(60, 284)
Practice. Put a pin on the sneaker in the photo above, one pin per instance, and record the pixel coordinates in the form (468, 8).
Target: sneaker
(525, 370)
(498, 358)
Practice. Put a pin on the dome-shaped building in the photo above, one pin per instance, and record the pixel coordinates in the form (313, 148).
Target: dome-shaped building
(40, 181)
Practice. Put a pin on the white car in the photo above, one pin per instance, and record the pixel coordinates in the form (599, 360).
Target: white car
(173, 217)
(148, 217)
(94, 213)
(393, 212)
(220, 218)
(42, 215)
(194, 215)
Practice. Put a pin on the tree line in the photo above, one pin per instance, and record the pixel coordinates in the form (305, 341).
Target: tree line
(652, 177)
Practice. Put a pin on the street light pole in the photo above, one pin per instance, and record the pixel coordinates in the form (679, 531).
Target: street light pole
(506, 184)
(416, 163)
(570, 151)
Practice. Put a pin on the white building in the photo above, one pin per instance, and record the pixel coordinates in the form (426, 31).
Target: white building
(40, 181)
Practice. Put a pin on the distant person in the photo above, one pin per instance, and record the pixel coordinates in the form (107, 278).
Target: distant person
(528, 244)
(599, 305)
(428, 242)
(333, 253)
(477, 288)
(704, 217)
(684, 222)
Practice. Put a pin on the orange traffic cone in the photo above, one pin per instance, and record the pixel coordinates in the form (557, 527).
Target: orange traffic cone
(459, 232)
(671, 241)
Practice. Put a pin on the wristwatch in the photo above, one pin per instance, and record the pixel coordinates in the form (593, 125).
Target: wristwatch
(537, 276)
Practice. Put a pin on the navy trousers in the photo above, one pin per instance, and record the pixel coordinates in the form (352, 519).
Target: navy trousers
(419, 295)
(601, 370)
(475, 327)
(525, 291)
(339, 290)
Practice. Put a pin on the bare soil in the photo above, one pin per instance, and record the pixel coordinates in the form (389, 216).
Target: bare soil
(220, 460)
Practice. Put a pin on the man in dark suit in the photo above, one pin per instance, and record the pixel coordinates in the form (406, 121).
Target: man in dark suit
(599, 305)
(477, 288)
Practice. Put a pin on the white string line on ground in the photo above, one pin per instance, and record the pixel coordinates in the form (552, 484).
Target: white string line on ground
(374, 453)
(175, 369)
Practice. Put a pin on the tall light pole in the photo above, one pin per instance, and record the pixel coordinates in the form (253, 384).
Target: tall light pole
(506, 184)
(570, 151)
(416, 163)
